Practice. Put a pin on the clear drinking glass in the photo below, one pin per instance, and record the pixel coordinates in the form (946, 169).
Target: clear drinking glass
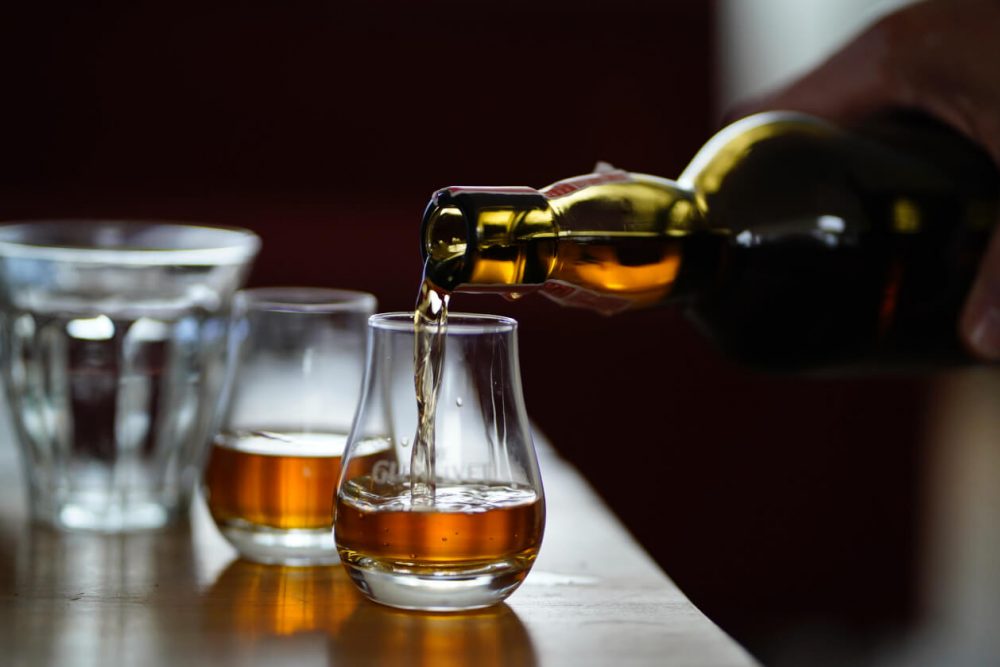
(473, 541)
(113, 352)
(298, 361)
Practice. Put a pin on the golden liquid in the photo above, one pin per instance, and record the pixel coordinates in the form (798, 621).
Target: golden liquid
(642, 268)
(500, 523)
(284, 481)
(430, 319)
(603, 272)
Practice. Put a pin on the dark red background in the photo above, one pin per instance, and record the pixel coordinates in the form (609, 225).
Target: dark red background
(778, 504)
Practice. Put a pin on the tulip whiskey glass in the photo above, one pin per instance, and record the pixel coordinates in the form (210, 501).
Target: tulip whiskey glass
(460, 529)
(295, 378)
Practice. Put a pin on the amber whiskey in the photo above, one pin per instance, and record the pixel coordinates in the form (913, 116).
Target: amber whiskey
(470, 525)
(280, 480)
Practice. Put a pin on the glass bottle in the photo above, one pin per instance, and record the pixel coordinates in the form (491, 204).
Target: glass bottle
(790, 241)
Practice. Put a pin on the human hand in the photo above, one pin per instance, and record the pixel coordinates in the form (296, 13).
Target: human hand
(941, 57)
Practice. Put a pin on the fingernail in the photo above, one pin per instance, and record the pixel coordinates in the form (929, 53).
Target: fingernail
(985, 336)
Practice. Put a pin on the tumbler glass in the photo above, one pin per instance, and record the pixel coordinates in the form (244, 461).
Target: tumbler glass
(473, 540)
(297, 365)
(113, 340)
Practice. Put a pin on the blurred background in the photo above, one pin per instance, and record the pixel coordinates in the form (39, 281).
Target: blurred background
(790, 510)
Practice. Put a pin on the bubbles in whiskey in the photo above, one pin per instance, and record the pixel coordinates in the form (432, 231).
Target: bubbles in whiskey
(279, 479)
(469, 524)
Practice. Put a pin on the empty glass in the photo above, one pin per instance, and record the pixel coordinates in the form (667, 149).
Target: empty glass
(113, 348)
(472, 542)
(298, 361)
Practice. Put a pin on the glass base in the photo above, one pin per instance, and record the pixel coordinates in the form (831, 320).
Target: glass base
(100, 515)
(438, 587)
(274, 546)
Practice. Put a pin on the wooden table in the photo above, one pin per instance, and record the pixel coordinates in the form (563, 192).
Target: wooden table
(182, 597)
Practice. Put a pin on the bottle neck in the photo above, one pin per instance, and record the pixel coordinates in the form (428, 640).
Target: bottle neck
(607, 241)
(472, 236)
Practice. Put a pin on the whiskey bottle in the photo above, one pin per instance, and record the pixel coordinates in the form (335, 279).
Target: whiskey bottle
(793, 243)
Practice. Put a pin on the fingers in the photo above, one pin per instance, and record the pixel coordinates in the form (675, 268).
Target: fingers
(937, 57)
(980, 323)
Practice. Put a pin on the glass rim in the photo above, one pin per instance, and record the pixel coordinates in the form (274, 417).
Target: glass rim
(295, 299)
(109, 241)
(458, 323)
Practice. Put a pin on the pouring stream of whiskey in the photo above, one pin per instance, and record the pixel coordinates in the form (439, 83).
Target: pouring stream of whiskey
(430, 318)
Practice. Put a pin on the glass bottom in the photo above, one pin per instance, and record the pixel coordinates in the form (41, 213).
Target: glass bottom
(439, 587)
(275, 546)
(104, 517)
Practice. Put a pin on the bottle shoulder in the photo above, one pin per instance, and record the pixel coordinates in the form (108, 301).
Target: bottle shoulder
(734, 142)
(891, 154)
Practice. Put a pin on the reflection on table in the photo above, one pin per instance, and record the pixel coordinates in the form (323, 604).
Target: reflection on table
(181, 596)
(384, 636)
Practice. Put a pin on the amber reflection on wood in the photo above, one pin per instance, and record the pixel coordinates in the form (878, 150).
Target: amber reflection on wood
(281, 600)
(376, 635)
